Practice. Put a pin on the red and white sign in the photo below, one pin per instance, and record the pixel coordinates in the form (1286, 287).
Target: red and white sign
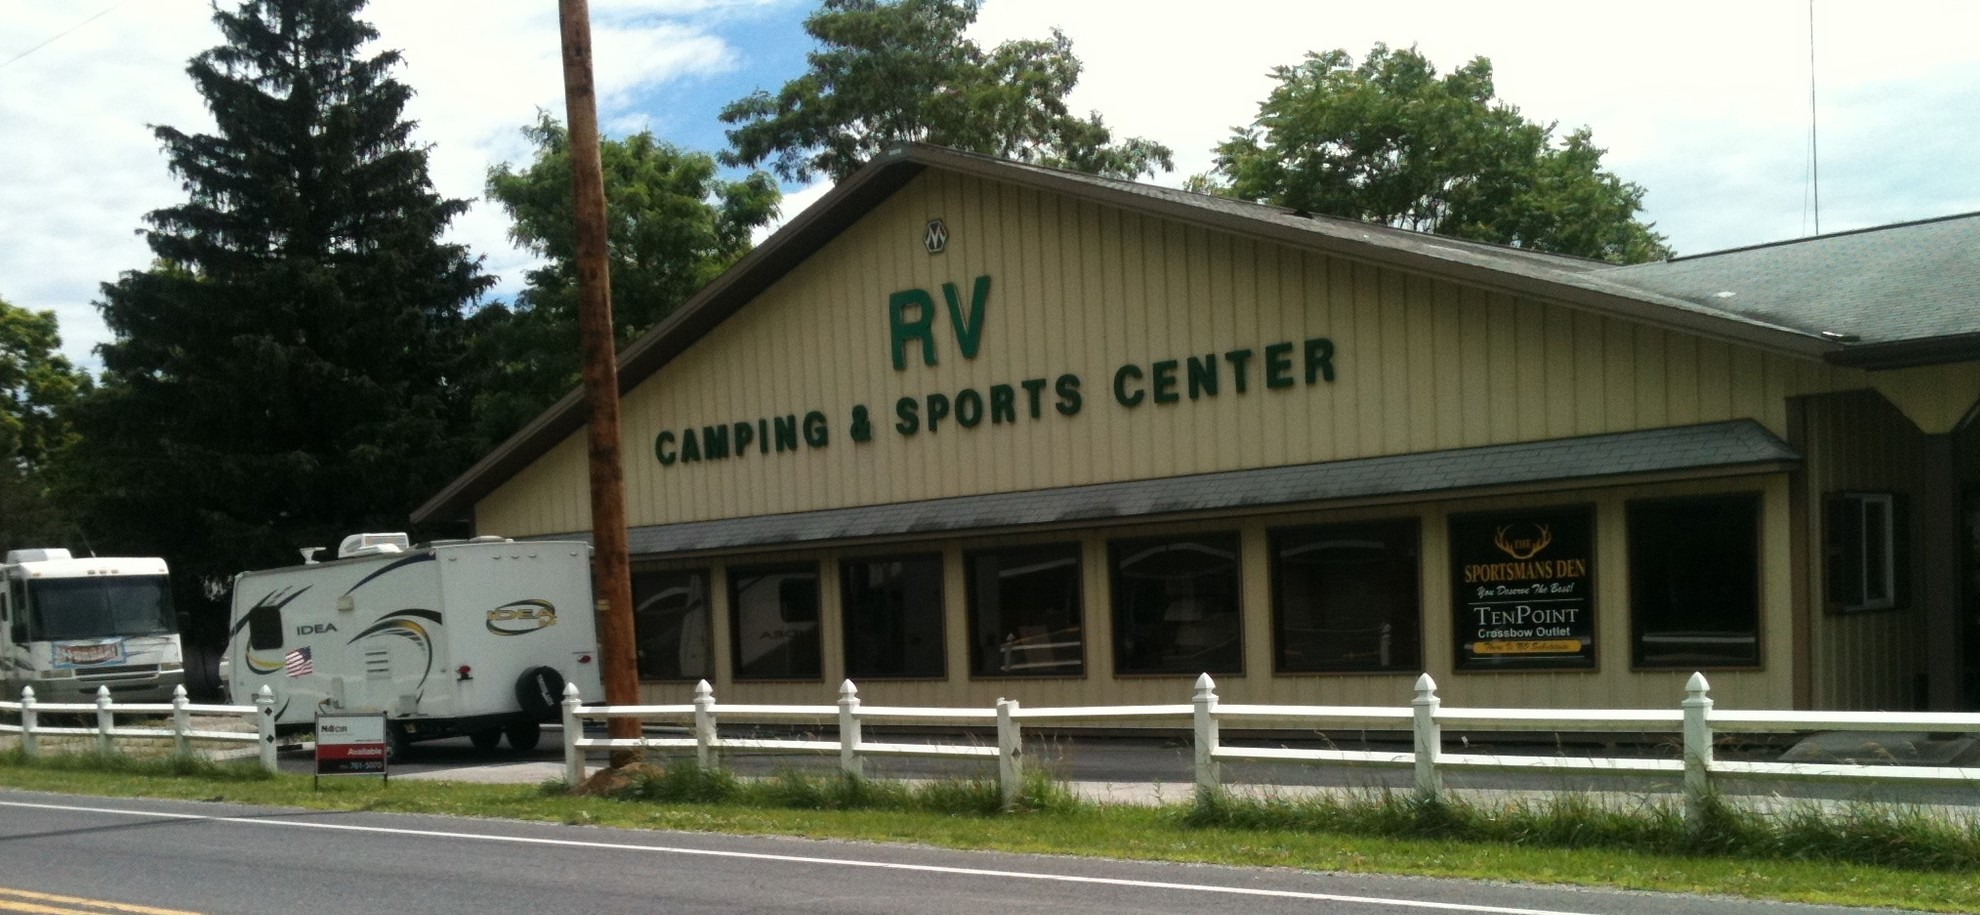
(350, 744)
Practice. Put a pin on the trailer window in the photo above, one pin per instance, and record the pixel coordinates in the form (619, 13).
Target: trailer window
(265, 628)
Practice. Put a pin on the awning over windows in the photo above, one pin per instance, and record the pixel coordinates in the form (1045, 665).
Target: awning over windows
(1739, 446)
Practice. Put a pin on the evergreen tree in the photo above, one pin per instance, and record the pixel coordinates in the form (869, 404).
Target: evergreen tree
(291, 368)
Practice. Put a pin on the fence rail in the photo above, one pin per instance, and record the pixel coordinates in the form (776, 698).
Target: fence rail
(107, 731)
(1696, 721)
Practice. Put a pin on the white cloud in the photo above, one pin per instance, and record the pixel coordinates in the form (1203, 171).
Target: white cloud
(1703, 103)
(81, 168)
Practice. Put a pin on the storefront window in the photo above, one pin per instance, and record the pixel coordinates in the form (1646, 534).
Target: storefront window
(1522, 589)
(1025, 613)
(1694, 581)
(671, 625)
(893, 612)
(1176, 605)
(1345, 597)
(773, 619)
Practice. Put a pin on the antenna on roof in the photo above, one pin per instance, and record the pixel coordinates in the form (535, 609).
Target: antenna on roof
(1814, 154)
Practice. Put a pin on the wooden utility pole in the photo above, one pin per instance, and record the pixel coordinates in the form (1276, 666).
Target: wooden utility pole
(601, 378)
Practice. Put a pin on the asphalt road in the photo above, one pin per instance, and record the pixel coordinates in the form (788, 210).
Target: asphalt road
(69, 854)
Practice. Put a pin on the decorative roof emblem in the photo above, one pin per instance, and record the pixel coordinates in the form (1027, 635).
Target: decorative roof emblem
(936, 237)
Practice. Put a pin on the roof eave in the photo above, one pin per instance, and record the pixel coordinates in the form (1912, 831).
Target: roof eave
(1904, 354)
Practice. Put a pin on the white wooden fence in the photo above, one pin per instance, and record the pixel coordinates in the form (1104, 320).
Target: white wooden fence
(107, 731)
(1695, 720)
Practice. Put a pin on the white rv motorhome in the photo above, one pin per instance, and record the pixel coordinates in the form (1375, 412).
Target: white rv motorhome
(69, 626)
(474, 637)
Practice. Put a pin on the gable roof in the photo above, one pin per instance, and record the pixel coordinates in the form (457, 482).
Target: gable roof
(1640, 293)
(1906, 294)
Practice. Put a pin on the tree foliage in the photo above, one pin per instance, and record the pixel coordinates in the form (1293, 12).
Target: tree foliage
(1389, 141)
(672, 226)
(291, 368)
(38, 385)
(898, 71)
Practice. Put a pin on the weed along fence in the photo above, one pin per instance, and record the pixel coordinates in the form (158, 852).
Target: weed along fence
(1696, 721)
(107, 733)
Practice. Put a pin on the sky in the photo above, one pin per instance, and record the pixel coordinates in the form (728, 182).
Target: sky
(1707, 105)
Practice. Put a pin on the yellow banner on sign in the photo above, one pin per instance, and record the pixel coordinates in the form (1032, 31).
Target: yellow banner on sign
(1528, 646)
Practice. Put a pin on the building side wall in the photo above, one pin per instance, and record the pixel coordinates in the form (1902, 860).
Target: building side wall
(1077, 289)
(1859, 441)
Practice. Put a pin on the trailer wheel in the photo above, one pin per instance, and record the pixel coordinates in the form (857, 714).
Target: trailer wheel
(486, 740)
(539, 691)
(524, 735)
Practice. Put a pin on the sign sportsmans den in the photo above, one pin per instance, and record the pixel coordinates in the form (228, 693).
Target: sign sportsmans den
(1521, 589)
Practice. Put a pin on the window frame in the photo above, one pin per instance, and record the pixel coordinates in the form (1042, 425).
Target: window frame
(1274, 538)
(732, 574)
(846, 621)
(1755, 504)
(1117, 594)
(978, 656)
(1847, 559)
(707, 574)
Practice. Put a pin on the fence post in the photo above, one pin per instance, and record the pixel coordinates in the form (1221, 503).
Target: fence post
(30, 744)
(573, 732)
(706, 754)
(1208, 776)
(1697, 706)
(849, 761)
(1429, 737)
(181, 723)
(1010, 753)
(264, 725)
(106, 721)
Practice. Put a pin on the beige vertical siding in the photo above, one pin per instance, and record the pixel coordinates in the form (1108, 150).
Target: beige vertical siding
(1082, 289)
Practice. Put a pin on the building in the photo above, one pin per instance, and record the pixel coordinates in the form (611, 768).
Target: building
(969, 428)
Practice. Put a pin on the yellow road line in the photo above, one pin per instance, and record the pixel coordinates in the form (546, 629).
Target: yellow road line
(29, 898)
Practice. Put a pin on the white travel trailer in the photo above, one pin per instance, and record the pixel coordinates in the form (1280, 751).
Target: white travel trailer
(474, 637)
(70, 626)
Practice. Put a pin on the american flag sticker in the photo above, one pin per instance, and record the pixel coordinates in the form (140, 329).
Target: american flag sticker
(298, 664)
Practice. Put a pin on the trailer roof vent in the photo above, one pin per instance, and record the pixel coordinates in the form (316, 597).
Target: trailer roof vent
(42, 555)
(372, 545)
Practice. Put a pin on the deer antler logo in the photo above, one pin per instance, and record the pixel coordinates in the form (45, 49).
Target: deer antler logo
(1523, 548)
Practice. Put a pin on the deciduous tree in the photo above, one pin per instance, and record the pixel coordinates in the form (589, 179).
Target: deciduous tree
(38, 385)
(673, 225)
(888, 72)
(1392, 142)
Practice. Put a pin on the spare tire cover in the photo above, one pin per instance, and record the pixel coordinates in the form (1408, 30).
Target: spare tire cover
(539, 691)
